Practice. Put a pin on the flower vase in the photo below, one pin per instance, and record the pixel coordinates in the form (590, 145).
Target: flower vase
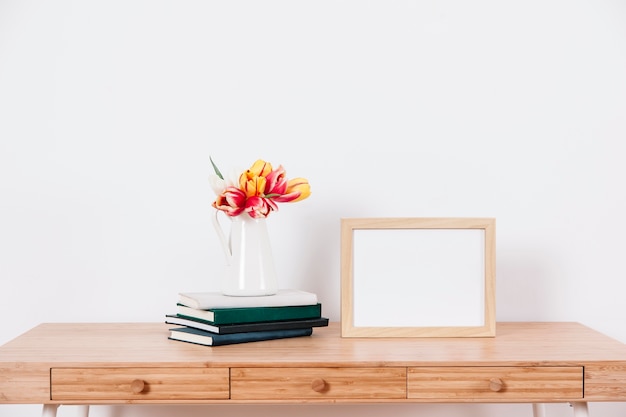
(250, 264)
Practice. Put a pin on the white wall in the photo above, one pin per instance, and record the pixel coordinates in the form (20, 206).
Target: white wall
(110, 109)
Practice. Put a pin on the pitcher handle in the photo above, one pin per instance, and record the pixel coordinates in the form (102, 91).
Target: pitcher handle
(222, 237)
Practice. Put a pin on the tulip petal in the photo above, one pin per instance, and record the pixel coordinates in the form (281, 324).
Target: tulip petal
(257, 190)
(217, 184)
(232, 201)
(257, 207)
(260, 168)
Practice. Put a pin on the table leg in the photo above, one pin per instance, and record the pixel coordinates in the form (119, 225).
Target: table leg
(49, 410)
(539, 410)
(580, 410)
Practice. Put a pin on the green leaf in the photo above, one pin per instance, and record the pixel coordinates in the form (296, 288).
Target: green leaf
(217, 171)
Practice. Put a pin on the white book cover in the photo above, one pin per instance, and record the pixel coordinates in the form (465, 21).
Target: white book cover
(284, 297)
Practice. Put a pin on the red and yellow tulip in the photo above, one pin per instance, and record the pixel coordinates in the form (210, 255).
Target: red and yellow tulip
(257, 190)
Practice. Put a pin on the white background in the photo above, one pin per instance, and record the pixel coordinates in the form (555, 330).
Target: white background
(109, 111)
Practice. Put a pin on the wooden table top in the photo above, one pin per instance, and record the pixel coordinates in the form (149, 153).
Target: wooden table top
(146, 344)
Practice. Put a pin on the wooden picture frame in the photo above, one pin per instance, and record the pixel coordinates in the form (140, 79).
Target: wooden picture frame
(418, 277)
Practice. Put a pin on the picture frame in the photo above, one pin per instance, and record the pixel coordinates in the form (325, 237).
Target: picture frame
(418, 277)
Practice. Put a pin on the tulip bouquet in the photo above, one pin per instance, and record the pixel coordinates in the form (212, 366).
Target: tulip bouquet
(256, 191)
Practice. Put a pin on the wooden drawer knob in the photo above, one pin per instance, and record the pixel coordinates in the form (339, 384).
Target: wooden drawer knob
(137, 386)
(496, 384)
(318, 385)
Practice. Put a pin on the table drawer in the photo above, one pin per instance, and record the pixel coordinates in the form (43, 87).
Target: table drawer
(317, 383)
(139, 383)
(496, 383)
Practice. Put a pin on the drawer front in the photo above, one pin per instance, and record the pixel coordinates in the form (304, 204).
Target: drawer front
(317, 383)
(139, 383)
(606, 382)
(495, 383)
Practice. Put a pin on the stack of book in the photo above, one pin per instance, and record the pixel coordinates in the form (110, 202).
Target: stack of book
(213, 319)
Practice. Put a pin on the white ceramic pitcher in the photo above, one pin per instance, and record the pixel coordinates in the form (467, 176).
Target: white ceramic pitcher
(250, 264)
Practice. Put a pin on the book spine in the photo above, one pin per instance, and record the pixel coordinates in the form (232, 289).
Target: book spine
(259, 314)
(231, 339)
(272, 325)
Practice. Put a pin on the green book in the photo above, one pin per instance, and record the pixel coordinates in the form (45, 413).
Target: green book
(186, 334)
(245, 327)
(252, 314)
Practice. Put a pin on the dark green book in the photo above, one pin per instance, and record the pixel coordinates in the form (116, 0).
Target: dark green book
(200, 337)
(251, 314)
(245, 327)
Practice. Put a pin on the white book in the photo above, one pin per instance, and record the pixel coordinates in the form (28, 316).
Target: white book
(284, 297)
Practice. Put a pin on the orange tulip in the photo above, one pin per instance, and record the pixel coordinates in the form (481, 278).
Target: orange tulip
(297, 190)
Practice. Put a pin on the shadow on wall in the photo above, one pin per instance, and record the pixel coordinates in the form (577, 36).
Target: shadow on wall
(522, 279)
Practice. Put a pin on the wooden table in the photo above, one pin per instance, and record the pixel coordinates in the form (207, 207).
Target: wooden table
(134, 363)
